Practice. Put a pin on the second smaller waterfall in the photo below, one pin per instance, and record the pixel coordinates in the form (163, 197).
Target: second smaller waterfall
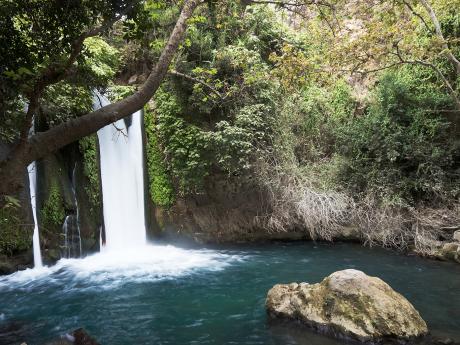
(32, 170)
(71, 247)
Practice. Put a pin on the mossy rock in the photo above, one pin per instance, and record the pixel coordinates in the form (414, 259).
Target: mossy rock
(6, 268)
(349, 304)
(450, 251)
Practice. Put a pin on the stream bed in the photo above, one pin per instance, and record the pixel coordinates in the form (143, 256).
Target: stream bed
(170, 295)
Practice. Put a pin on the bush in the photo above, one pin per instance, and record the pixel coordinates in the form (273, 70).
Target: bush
(52, 212)
(160, 185)
(14, 235)
(88, 148)
(401, 150)
(186, 146)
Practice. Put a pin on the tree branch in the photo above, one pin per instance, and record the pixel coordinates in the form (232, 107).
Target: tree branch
(446, 82)
(287, 4)
(188, 77)
(54, 73)
(434, 19)
(418, 15)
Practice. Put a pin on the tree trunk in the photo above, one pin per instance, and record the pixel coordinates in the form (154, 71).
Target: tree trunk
(44, 143)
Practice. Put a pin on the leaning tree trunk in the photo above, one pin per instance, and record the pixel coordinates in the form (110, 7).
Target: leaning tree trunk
(43, 143)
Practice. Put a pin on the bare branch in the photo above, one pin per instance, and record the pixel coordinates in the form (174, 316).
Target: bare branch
(287, 4)
(446, 82)
(188, 77)
(418, 15)
(437, 26)
(375, 70)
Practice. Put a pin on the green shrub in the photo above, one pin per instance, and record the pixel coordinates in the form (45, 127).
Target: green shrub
(88, 148)
(401, 150)
(313, 116)
(52, 213)
(185, 145)
(14, 235)
(160, 185)
(236, 144)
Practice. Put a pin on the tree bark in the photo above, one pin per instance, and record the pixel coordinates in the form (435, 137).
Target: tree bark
(44, 143)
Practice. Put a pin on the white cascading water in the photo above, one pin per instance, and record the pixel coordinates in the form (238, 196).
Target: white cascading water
(65, 230)
(32, 170)
(121, 152)
(75, 199)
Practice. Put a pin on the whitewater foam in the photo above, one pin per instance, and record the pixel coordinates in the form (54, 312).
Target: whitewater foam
(111, 269)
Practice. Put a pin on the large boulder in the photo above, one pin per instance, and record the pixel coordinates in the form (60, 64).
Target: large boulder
(348, 304)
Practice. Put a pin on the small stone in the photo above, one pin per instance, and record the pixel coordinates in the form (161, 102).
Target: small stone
(456, 236)
(83, 338)
(132, 80)
(348, 304)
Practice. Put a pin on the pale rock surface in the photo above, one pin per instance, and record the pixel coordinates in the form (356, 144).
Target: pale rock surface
(456, 236)
(450, 251)
(348, 304)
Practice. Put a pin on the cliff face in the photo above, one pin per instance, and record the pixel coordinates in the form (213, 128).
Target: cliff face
(62, 195)
(227, 211)
(62, 185)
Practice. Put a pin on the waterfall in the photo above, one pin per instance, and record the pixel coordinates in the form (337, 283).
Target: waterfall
(65, 230)
(75, 200)
(32, 170)
(71, 247)
(121, 155)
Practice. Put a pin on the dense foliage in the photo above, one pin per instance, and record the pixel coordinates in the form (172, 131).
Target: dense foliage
(403, 148)
(160, 185)
(89, 150)
(14, 235)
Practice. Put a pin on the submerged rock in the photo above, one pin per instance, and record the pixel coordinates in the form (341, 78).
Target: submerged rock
(348, 304)
(6, 268)
(83, 338)
(77, 337)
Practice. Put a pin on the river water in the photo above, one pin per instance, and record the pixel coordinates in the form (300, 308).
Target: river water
(169, 295)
